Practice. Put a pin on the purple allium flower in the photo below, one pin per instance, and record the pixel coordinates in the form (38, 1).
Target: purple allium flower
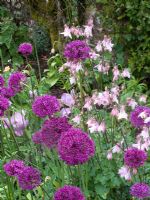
(25, 49)
(138, 115)
(4, 105)
(37, 137)
(29, 178)
(15, 81)
(77, 50)
(45, 105)
(1, 81)
(69, 192)
(140, 190)
(53, 129)
(134, 157)
(75, 147)
(7, 92)
(14, 167)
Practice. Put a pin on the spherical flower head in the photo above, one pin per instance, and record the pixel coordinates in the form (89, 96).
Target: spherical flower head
(1, 81)
(37, 137)
(75, 147)
(7, 92)
(16, 81)
(14, 167)
(25, 49)
(77, 50)
(4, 105)
(53, 129)
(29, 178)
(69, 192)
(134, 157)
(45, 106)
(140, 190)
(136, 117)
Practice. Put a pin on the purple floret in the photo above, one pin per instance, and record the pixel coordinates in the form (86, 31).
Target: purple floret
(14, 167)
(4, 105)
(16, 81)
(134, 157)
(75, 147)
(25, 49)
(37, 137)
(1, 81)
(29, 178)
(77, 50)
(45, 106)
(140, 190)
(53, 129)
(69, 192)
(136, 120)
(7, 92)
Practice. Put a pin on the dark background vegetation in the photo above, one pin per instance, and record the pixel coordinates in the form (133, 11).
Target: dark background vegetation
(40, 22)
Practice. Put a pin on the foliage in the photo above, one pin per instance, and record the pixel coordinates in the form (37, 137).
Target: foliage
(128, 23)
(11, 36)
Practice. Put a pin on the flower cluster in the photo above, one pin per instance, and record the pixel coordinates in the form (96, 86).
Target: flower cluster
(45, 106)
(28, 177)
(4, 105)
(51, 131)
(25, 49)
(69, 192)
(77, 50)
(140, 190)
(75, 147)
(140, 116)
(16, 81)
(134, 157)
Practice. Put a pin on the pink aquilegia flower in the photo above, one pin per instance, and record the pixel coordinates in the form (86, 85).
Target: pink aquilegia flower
(67, 99)
(67, 31)
(126, 73)
(107, 44)
(124, 172)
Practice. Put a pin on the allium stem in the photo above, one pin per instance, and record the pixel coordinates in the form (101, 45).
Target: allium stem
(80, 86)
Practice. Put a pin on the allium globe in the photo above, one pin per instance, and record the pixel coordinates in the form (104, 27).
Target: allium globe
(25, 49)
(29, 178)
(4, 105)
(16, 81)
(140, 190)
(138, 115)
(69, 192)
(45, 106)
(14, 167)
(37, 137)
(1, 81)
(75, 147)
(53, 129)
(134, 157)
(7, 92)
(77, 50)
